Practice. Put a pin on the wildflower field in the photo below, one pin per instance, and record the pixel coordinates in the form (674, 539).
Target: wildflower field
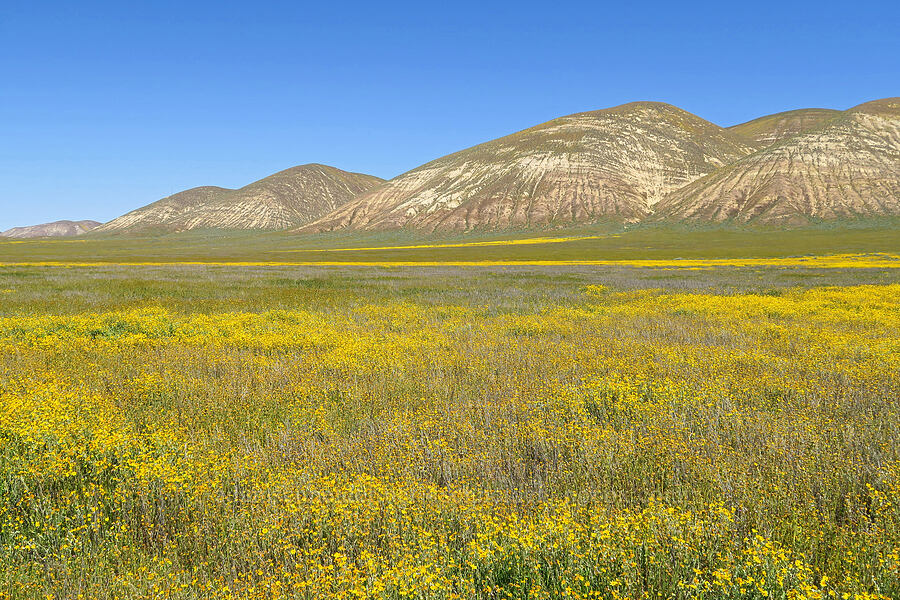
(190, 431)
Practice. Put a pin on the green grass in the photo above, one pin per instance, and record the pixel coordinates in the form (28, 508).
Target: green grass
(211, 289)
(639, 242)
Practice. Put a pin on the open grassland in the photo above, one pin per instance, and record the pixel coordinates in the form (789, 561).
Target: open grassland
(831, 261)
(587, 244)
(280, 432)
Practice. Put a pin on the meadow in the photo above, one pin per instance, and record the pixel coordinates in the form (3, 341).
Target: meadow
(587, 243)
(221, 431)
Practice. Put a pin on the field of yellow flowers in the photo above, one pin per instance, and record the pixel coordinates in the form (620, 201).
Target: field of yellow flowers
(414, 436)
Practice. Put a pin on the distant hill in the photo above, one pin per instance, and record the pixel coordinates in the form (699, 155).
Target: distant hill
(290, 198)
(648, 161)
(847, 167)
(608, 165)
(767, 130)
(638, 162)
(54, 229)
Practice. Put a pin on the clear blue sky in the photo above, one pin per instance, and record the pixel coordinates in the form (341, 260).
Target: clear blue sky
(107, 106)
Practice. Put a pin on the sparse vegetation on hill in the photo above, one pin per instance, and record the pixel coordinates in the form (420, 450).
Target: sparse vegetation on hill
(607, 165)
(653, 162)
(286, 199)
(849, 167)
(55, 229)
(767, 130)
(639, 162)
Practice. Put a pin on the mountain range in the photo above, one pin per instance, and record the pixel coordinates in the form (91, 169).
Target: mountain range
(839, 166)
(638, 162)
(651, 162)
(54, 229)
(614, 164)
(289, 198)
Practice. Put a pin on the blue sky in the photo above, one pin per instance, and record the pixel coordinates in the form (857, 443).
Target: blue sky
(107, 106)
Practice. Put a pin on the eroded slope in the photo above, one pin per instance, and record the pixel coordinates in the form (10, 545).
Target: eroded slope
(849, 167)
(612, 164)
(63, 228)
(286, 199)
(770, 129)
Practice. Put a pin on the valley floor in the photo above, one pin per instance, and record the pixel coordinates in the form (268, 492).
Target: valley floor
(589, 244)
(221, 431)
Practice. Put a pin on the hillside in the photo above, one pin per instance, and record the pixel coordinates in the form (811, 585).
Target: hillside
(606, 165)
(767, 130)
(638, 162)
(849, 167)
(286, 199)
(55, 229)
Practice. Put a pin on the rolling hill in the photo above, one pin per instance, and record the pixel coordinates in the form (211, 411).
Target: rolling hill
(289, 198)
(607, 165)
(639, 162)
(847, 167)
(767, 130)
(54, 229)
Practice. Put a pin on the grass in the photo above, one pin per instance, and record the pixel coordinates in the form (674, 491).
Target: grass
(589, 243)
(221, 431)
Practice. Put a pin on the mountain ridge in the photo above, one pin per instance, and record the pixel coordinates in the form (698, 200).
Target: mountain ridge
(637, 162)
(285, 199)
(62, 228)
(613, 163)
(846, 167)
(628, 164)
(769, 129)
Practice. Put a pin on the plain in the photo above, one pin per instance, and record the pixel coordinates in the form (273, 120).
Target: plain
(225, 431)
